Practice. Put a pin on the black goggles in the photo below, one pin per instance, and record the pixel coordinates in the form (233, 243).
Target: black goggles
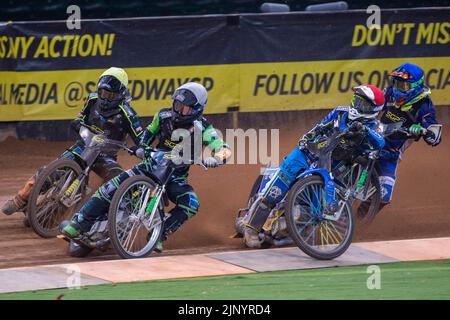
(108, 95)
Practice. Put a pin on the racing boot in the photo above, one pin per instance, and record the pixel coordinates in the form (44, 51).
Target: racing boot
(159, 246)
(252, 238)
(20, 200)
(16, 204)
(72, 229)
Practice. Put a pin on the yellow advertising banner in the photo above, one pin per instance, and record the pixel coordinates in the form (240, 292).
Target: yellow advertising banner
(326, 84)
(54, 95)
(254, 87)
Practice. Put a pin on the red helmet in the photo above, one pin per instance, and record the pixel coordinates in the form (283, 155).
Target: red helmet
(367, 102)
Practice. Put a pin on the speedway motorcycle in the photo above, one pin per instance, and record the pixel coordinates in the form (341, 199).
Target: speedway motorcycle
(136, 216)
(316, 213)
(62, 185)
(356, 181)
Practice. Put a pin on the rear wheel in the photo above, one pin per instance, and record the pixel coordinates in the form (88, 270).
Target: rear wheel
(45, 209)
(365, 206)
(134, 233)
(317, 236)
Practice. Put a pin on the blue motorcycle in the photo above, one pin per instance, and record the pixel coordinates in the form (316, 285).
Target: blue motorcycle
(316, 214)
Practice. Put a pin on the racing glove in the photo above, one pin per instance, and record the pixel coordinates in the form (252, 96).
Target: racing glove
(211, 162)
(356, 126)
(430, 138)
(416, 129)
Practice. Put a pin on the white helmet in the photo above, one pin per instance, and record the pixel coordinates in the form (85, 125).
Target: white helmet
(190, 94)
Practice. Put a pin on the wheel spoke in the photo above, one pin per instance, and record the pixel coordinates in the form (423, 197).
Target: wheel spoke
(135, 233)
(320, 236)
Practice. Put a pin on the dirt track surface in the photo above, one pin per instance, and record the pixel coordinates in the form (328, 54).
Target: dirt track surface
(420, 209)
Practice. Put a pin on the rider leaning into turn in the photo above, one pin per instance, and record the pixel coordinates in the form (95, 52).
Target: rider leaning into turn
(360, 116)
(189, 101)
(408, 101)
(108, 111)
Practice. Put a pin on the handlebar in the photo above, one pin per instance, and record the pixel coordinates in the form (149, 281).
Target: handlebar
(140, 153)
(98, 132)
(407, 133)
(91, 128)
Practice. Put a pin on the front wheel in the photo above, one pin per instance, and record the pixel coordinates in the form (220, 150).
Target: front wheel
(134, 232)
(49, 203)
(316, 235)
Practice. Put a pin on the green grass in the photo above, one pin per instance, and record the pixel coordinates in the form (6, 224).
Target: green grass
(403, 280)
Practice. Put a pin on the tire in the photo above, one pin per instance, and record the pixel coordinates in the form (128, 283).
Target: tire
(78, 251)
(367, 210)
(291, 220)
(374, 202)
(112, 218)
(51, 229)
(254, 190)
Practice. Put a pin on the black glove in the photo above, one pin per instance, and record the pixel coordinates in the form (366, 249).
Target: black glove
(356, 126)
(430, 137)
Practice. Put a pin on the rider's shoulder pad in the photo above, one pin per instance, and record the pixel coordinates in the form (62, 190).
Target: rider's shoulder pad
(92, 97)
(165, 113)
(129, 110)
(342, 108)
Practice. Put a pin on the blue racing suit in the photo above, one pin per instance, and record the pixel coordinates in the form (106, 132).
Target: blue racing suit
(421, 112)
(297, 161)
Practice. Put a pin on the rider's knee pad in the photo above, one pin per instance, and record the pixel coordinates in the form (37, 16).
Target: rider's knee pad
(188, 202)
(276, 188)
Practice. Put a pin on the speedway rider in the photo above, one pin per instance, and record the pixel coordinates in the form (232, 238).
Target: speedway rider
(106, 110)
(407, 101)
(186, 112)
(360, 116)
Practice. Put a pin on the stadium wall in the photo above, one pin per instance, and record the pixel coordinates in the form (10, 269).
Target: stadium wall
(60, 130)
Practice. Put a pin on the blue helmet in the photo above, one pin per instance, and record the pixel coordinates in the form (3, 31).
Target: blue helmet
(408, 85)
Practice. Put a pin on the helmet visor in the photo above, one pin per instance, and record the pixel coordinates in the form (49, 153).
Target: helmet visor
(402, 86)
(362, 105)
(108, 95)
(182, 108)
